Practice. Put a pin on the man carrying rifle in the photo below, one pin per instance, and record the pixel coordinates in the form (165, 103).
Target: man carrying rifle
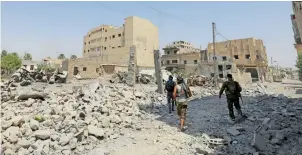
(232, 91)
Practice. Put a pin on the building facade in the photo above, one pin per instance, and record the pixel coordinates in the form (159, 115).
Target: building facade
(30, 65)
(297, 24)
(52, 62)
(248, 54)
(178, 54)
(113, 43)
(108, 45)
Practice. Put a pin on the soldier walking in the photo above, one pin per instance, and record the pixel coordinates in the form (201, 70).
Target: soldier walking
(181, 94)
(232, 90)
(170, 84)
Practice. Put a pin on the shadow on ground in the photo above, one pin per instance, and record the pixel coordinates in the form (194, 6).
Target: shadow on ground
(209, 115)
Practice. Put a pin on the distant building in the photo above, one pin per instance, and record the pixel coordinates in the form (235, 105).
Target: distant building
(179, 54)
(30, 65)
(248, 54)
(54, 63)
(108, 46)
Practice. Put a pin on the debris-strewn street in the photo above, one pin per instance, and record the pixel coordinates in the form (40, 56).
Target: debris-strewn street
(98, 117)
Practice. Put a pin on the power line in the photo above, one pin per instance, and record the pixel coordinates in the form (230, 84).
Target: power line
(108, 8)
(167, 14)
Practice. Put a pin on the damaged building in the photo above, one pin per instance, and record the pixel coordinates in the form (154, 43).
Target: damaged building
(182, 56)
(106, 48)
(248, 54)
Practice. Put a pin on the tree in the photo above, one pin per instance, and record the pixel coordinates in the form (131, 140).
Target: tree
(3, 53)
(73, 57)
(15, 53)
(61, 56)
(27, 56)
(299, 65)
(10, 62)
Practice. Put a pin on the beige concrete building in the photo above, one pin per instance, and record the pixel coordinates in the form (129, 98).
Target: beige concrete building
(109, 45)
(30, 65)
(297, 24)
(248, 54)
(178, 54)
(53, 62)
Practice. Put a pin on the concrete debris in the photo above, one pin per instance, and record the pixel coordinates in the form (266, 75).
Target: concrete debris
(200, 80)
(71, 118)
(233, 131)
(25, 77)
(121, 77)
(112, 118)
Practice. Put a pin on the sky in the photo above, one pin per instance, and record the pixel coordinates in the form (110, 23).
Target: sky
(50, 28)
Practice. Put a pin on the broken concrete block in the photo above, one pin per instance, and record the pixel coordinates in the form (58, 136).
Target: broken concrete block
(26, 96)
(233, 131)
(259, 142)
(265, 121)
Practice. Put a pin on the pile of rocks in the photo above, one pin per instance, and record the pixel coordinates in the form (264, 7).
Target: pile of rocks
(72, 121)
(121, 77)
(199, 80)
(25, 77)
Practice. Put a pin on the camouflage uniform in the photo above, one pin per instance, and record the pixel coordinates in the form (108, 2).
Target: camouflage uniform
(181, 100)
(232, 91)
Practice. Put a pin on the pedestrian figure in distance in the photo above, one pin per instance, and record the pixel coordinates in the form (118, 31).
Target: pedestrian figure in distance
(169, 87)
(232, 90)
(181, 94)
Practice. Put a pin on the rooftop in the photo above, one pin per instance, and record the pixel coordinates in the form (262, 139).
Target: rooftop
(29, 62)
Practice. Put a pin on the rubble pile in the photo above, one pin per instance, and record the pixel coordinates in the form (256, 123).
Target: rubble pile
(277, 123)
(25, 77)
(72, 121)
(199, 80)
(277, 120)
(78, 119)
(121, 77)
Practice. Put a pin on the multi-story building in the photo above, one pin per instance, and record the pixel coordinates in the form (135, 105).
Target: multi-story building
(297, 24)
(110, 45)
(248, 54)
(178, 54)
(184, 57)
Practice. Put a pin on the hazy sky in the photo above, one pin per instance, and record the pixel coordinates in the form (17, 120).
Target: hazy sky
(48, 28)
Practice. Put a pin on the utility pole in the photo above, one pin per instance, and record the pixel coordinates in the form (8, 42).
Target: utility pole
(158, 74)
(214, 52)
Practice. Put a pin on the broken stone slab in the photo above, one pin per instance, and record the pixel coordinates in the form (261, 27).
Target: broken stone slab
(94, 86)
(24, 143)
(18, 121)
(34, 125)
(29, 95)
(93, 130)
(289, 114)
(275, 141)
(65, 140)
(6, 124)
(42, 134)
(233, 131)
(259, 142)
